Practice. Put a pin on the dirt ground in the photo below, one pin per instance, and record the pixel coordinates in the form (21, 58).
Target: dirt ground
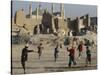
(46, 63)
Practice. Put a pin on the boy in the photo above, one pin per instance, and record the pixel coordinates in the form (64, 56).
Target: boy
(88, 56)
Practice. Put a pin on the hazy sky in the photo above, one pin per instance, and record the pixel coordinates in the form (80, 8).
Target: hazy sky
(71, 10)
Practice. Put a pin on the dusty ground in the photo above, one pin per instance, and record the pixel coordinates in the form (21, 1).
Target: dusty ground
(46, 63)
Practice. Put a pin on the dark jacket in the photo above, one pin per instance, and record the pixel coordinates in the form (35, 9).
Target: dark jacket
(24, 55)
(71, 52)
(39, 49)
(56, 51)
(88, 53)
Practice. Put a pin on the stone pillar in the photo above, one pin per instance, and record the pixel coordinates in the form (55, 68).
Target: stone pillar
(37, 12)
(62, 10)
(52, 8)
(77, 25)
(88, 20)
(30, 10)
(53, 26)
(39, 9)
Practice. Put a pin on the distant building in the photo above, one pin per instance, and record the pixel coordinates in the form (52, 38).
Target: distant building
(42, 21)
(79, 24)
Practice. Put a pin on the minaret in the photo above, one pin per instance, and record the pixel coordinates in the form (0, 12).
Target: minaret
(62, 10)
(52, 8)
(30, 10)
(39, 7)
(37, 13)
(53, 26)
(61, 7)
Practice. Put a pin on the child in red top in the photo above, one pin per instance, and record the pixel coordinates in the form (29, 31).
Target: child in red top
(71, 56)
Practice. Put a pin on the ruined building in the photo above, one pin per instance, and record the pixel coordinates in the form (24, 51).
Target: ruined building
(41, 21)
(79, 23)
